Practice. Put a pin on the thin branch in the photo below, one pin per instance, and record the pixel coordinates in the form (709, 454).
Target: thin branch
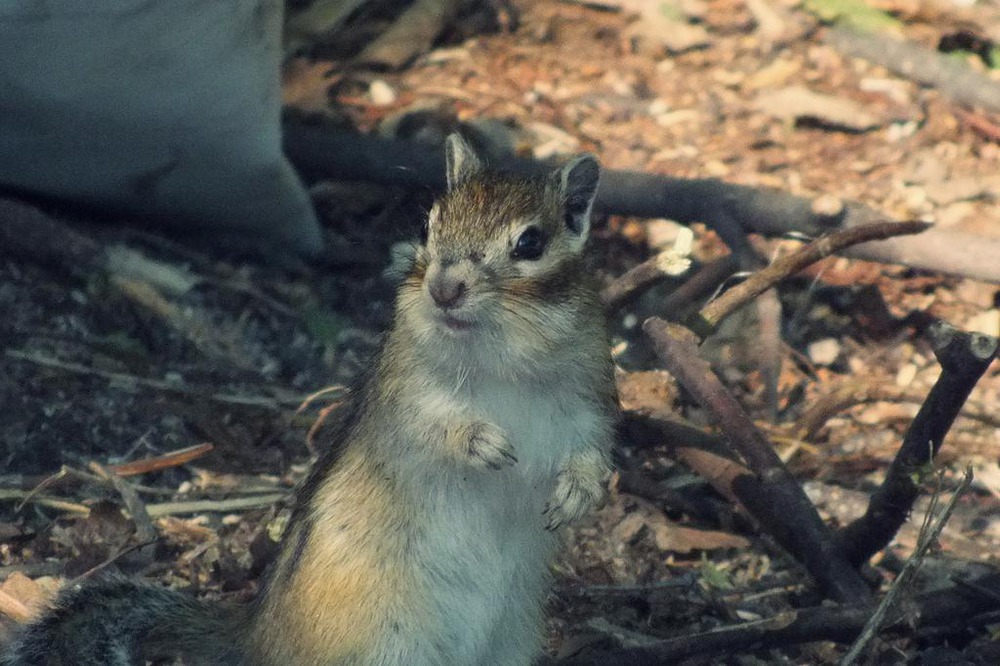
(155, 510)
(119, 554)
(713, 313)
(43, 500)
(165, 461)
(850, 392)
(929, 535)
(789, 516)
(144, 528)
(121, 379)
(941, 608)
(964, 357)
(215, 506)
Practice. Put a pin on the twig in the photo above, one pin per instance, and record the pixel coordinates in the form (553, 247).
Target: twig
(214, 506)
(144, 529)
(705, 282)
(980, 124)
(851, 392)
(625, 289)
(111, 560)
(941, 608)
(712, 314)
(63, 472)
(324, 413)
(930, 532)
(33, 481)
(43, 500)
(631, 284)
(157, 463)
(687, 580)
(158, 510)
(964, 358)
(274, 404)
(208, 339)
(704, 454)
(789, 517)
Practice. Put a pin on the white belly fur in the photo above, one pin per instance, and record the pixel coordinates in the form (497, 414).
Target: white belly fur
(483, 548)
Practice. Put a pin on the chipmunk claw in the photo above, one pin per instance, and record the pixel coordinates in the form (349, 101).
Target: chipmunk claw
(488, 447)
(575, 494)
(553, 520)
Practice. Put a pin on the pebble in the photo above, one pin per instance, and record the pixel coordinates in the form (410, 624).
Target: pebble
(381, 93)
(824, 352)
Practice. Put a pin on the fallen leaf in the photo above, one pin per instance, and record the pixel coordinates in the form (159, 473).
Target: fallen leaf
(22, 598)
(676, 538)
(645, 391)
(800, 103)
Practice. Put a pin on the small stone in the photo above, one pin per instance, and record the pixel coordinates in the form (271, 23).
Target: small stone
(661, 233)
(827, 205)
(906, 374)
(671, 118)
(552, 141)
(658, 107)
(986, 322)
(381, 93)
(914, 198)
(824, 352)
(716, 169)
(776, 74)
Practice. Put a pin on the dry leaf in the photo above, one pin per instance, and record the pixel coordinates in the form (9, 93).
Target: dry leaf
(798, 102)
(22, 598)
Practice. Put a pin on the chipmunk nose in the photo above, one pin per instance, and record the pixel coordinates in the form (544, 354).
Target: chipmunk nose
(446, 291)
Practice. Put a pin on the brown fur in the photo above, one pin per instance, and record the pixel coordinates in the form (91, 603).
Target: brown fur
(423, 534)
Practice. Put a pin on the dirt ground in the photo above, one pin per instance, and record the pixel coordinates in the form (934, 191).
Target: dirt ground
(104, 368)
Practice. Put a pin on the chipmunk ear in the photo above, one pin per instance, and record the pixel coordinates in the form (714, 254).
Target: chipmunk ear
(575, 186)
(460, 161)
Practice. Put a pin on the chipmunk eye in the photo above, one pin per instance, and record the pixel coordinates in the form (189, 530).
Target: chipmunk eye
(530, 244)
(425, 230)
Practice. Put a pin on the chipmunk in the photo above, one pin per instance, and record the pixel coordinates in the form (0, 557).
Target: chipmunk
(424, 533)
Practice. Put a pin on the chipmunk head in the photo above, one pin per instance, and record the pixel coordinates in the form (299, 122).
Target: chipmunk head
(500, 257)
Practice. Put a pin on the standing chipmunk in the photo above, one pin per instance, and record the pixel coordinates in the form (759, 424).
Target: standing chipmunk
(424, 534)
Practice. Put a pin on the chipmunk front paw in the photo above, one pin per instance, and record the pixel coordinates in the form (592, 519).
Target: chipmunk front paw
(579, 487)
(487, 446)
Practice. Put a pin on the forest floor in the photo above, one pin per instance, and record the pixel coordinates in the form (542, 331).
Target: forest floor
(104, 369)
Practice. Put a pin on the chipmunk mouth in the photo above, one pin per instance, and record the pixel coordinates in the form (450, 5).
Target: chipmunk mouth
(456, 324)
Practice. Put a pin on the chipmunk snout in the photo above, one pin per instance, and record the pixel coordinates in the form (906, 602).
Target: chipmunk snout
(448, 291)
